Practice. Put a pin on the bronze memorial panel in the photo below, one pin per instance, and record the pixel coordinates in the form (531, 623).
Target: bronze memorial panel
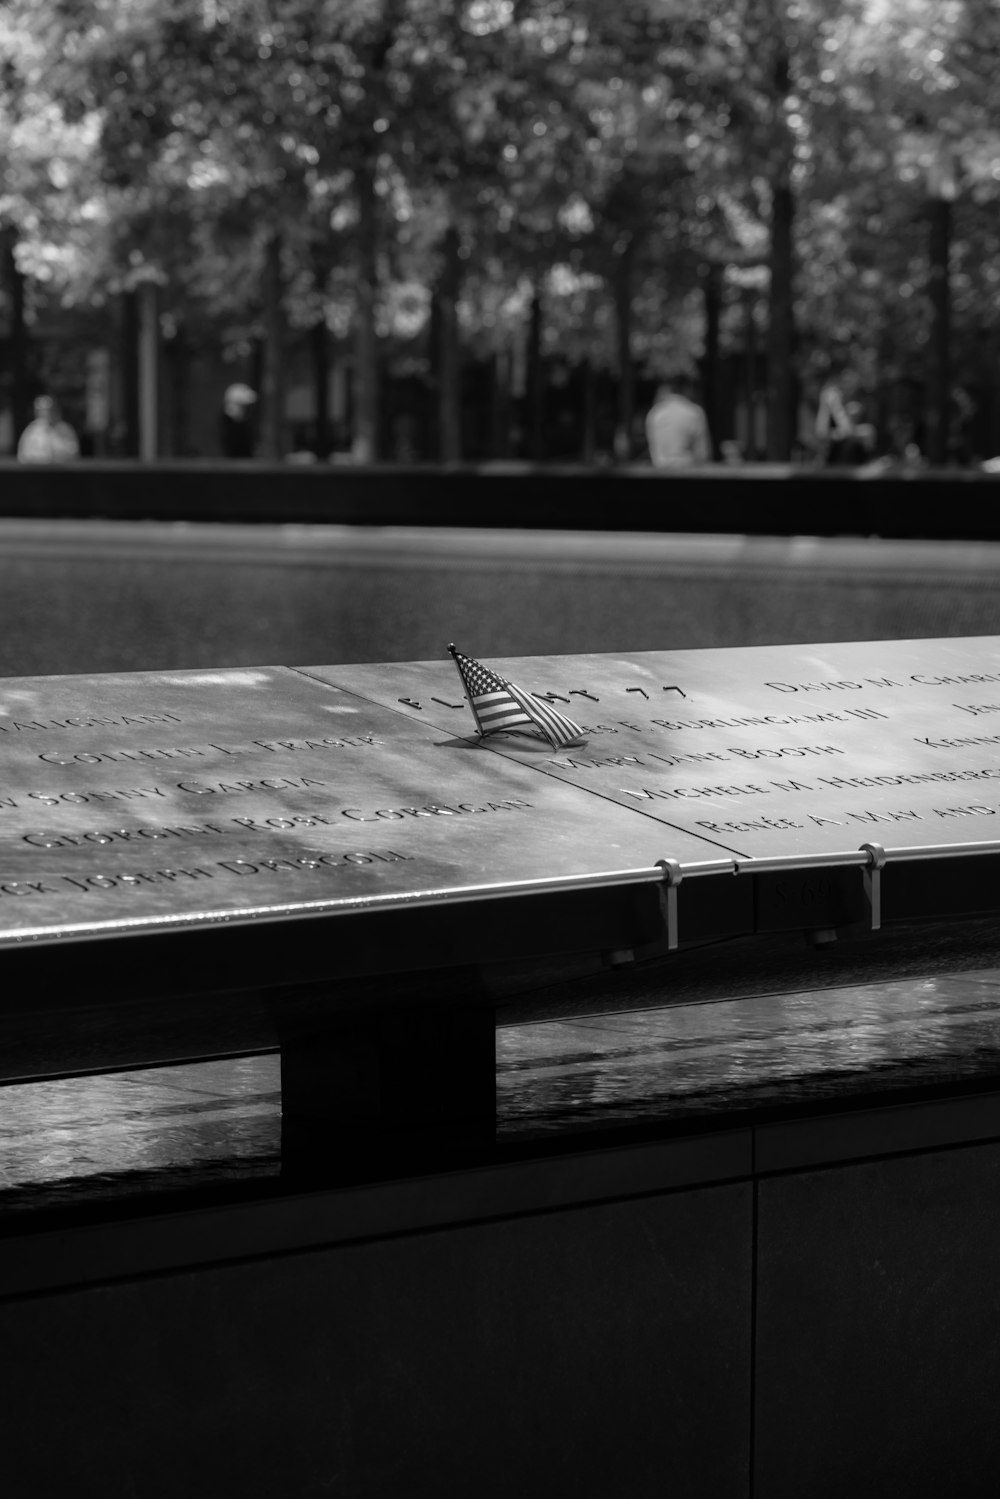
(785, 753)
(157, 799)
(175, 798)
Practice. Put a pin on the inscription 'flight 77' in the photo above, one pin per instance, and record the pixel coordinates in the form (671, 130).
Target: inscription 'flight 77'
(548, 697)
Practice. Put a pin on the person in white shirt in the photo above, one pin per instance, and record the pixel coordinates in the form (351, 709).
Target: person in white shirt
(835, 431)
(237, 421)
(677, 429)
(47, 439)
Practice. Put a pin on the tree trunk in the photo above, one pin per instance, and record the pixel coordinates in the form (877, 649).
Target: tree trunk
(449, 370)
(431, 402)
(320, 354)
(366, 361)
(588, 451)
(536, 382)
(781, 382)
(938, 346)
(319, 345)
(750, 327)
(883, 412)
(624, 443)
(781, 328)
(256, 373)
(148, 303)
(500, 404)
(712, 292)
(178, 361)
(272, 391)
(17, 343)
(991, 436)
(127, 434)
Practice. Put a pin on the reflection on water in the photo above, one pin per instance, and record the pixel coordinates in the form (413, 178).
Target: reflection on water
(739, 1053)
(152, 1120)
(553, 1075)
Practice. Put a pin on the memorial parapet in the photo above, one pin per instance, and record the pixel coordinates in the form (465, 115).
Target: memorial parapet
(153, 801)
(147, 802)
(344, 873)
(341, 842)
(784, 758)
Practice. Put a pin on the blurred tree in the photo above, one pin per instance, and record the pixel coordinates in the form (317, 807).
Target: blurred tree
(523, 178)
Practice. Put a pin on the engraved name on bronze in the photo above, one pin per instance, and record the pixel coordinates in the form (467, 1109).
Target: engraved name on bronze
(963, 741)
(100, 837)
(112, 878)
(82, 798)
(70, 758)
(284, 822)
(124, 720)
(764, 720)
(189, 788)
(916, 678)
(296, 863)
(383, 814)
(732, 752)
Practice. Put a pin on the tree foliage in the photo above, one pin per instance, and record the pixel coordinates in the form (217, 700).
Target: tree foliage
(386, 167)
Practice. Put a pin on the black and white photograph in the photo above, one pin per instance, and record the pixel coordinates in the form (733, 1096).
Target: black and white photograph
(499, 745)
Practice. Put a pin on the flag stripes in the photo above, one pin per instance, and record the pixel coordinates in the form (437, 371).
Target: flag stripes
(497, 704)
(557, 728)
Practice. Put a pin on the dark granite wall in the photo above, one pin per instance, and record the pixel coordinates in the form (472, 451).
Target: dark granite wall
(596, 1352)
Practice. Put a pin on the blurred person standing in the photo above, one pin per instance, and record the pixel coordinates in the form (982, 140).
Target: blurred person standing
(237, 424)
(677, 427)
(835, 431)
(47, 439)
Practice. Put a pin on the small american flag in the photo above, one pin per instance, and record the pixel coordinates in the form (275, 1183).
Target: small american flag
(497, 704)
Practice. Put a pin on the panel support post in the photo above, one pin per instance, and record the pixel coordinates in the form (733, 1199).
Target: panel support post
(672, 876)
(395, 1077)
(872, 876)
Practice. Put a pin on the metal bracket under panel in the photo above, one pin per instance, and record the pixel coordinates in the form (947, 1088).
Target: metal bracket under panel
(872, 876)
(672, 876)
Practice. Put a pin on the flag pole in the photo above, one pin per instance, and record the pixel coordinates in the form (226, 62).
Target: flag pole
(453, 652)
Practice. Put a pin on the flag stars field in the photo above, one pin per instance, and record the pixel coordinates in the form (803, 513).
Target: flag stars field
(498, 704)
